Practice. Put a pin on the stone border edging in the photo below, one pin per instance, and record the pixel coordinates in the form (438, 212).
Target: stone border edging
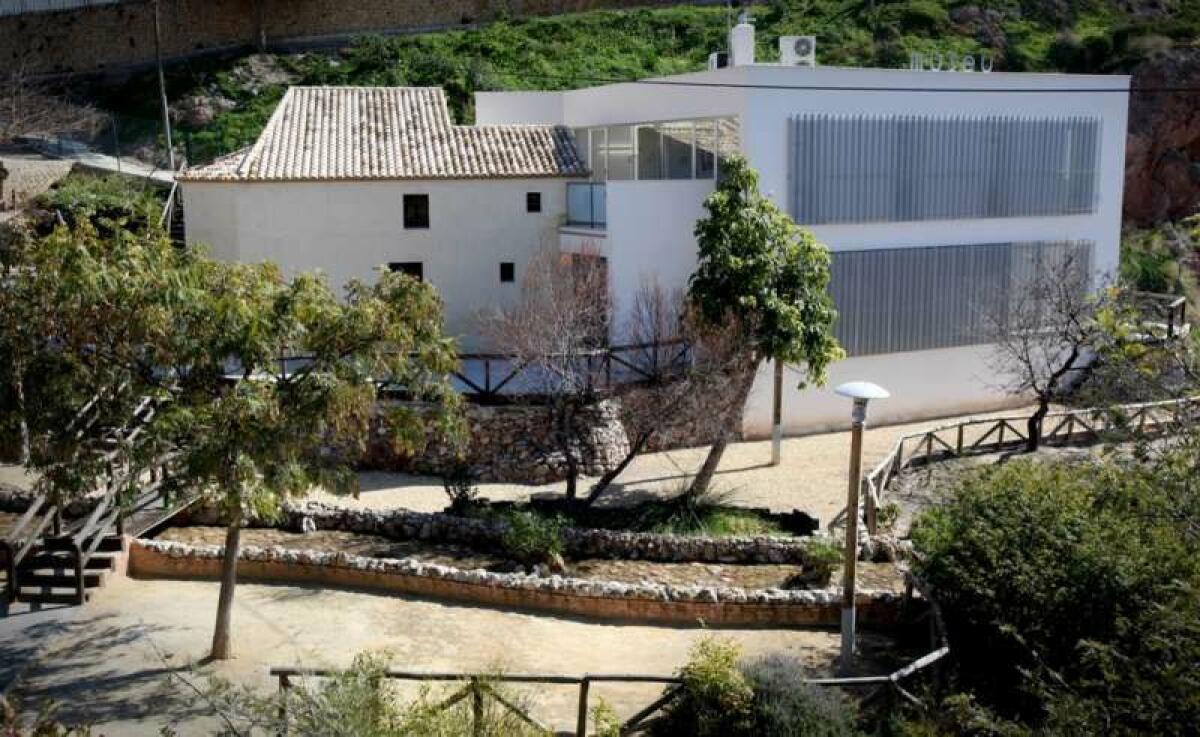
(558, 594)
(403, 524)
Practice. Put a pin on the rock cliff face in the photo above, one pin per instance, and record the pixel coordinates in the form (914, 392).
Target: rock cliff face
(1162, 157)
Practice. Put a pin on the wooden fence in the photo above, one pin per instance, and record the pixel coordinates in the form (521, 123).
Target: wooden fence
(996, 434)
(481, 687)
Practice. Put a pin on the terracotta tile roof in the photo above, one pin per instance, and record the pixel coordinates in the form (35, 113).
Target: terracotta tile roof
(332, 133)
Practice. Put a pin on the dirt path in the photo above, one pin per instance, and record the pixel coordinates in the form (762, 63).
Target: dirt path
(113, 667)
(812, 476)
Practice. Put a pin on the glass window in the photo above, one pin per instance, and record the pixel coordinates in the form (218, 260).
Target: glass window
(677, 150)
(415, 269)
(728, 142)
(533, 202)
(706, 149)
(416, 211)
(620, 152)
(599, 167)
(583, 145)
(649, 152)
(508, 272)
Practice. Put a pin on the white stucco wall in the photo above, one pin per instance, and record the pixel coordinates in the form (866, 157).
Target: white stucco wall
(650, 223)
(347, 229)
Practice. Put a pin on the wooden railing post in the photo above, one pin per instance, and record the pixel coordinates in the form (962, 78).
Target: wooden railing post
(285, 685)
(582, 718)
(77, 554)
(476, 708)
(959, 443)
(870, 512)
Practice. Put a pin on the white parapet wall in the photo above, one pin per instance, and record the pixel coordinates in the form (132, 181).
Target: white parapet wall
(924, 385)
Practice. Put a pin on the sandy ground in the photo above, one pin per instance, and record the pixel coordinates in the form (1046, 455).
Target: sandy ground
(811, 477)
(117, 668)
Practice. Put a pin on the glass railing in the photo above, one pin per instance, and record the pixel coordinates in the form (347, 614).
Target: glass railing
(586, 205)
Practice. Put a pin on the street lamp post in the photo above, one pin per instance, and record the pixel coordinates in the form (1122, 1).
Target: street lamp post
(861, 392)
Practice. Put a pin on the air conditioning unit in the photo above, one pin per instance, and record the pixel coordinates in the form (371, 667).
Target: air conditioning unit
(718, 60)
(795, 51)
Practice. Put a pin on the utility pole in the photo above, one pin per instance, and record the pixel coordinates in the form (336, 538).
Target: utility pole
(162, 89)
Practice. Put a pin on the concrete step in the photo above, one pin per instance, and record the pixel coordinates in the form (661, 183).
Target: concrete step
(63, 579)
(49, 595)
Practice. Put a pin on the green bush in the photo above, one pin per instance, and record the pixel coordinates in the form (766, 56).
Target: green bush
(532, 538)
(459, 485)
(716, 698)
(1070, 591)
(722, 695)
(785, 706)
(108, 201)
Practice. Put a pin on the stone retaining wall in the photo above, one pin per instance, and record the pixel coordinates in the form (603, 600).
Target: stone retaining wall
(401, 524)
(515, 442)
(599, 599)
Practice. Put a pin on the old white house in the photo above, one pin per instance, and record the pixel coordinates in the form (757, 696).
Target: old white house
(934, 190)
(347, 179)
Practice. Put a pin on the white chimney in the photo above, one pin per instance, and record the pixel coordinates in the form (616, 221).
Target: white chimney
(741, 42)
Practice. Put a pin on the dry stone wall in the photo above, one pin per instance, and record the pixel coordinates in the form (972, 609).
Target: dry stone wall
(401, 524)
(513, 442)
(600, 599)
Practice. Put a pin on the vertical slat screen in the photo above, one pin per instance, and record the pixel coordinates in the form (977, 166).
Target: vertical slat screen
(893, 300)
(862, 168)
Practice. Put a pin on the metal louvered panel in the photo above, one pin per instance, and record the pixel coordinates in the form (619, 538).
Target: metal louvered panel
(892, 300)
(863, 168)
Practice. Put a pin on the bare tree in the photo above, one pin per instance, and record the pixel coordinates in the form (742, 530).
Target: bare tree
(30, 109)
(686, 369)
(555, 331)
(1047, 334)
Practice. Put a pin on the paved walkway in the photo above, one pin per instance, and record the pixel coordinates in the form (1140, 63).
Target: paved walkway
(78, 153)
(115, 666)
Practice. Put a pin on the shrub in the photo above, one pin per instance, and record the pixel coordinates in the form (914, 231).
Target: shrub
(459, 485)
(821, 558)
(715, 699)
(108, 201)
(1070, 591)
(785, 706)
(532, 538)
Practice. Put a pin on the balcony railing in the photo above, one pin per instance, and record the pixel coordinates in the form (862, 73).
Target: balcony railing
(587, 205)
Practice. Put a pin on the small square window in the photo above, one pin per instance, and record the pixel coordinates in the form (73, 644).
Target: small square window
(415, 269)
(416, 211)
(533, 202)
(508, 272)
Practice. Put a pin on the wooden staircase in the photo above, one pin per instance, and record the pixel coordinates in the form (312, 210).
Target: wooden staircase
(49, 560)
(51, 574)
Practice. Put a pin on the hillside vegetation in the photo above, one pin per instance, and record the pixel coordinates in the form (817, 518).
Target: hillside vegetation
(221, 105)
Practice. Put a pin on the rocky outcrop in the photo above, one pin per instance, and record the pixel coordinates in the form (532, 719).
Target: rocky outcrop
(1162, 156)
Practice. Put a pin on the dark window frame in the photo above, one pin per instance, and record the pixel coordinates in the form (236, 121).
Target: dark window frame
(508, 272)
(415, 269)
(533, 202)
(416, 218)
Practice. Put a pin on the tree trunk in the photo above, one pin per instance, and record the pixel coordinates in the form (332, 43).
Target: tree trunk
(221, 646)
(606, 480)
(24, 426)
(1033, 428)
(566, 426)
(733, 416)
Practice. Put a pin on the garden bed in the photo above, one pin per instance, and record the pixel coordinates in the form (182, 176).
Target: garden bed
(746, 576)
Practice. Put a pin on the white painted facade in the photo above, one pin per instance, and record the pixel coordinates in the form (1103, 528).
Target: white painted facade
(349, 229)
(650, 223)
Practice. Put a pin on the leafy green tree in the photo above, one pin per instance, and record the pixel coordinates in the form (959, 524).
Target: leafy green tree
(1070, 591)
(128, 317)
(767, 277)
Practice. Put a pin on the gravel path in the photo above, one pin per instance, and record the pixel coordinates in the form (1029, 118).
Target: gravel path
(114, 668)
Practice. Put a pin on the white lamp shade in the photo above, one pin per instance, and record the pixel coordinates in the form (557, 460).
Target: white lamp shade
(862, 390)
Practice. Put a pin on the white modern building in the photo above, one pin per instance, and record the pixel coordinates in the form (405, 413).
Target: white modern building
(934, 190)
